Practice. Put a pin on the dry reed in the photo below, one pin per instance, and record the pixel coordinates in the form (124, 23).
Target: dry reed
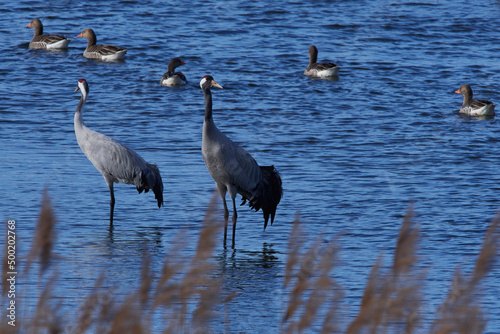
(43, 241)
(461, 312)
(186, 293)
(314, 287)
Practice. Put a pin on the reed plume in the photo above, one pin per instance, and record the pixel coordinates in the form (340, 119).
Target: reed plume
(187, 293)
(314, 287)
(41, 247)
(392, 300)
(461, 312)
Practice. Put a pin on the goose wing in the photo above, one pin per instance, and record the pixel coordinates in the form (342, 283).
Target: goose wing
(478, 104)
(48, 39)
(106, 50)
(323, 66)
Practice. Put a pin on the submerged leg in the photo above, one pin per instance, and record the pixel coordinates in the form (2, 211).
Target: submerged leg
(226, 218)
(233, 192)
(235, 217)
(111, 202)
(222, 192)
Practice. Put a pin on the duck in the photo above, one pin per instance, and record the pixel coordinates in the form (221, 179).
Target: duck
(172, 78)
(101, 52)
(321, 70)
(474, 107)
(41, 41)
(235, 171)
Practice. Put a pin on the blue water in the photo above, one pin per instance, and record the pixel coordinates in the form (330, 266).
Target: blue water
(353, 152)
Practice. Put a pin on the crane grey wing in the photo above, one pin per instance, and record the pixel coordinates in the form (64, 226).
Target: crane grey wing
(112, 159)
(247, 173)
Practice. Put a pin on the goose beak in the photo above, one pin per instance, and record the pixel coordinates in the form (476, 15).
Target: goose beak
(215, 84)
(458, 91)
(29, 25)
(183, 63)
(77, 88)
(79, 36)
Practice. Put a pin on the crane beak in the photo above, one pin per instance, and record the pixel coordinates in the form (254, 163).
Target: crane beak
(77, 88)
(215, 84)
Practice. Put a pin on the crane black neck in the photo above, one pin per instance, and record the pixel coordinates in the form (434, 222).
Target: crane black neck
(208, 103)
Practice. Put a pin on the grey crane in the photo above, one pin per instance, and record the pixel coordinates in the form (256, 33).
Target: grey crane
(116, 162)
(234, 170)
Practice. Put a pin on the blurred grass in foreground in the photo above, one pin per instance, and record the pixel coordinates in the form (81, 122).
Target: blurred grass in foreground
(187, 295)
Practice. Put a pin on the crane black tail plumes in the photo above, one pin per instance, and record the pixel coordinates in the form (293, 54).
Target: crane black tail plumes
(273, 191)
(151, 179)
(270, 196)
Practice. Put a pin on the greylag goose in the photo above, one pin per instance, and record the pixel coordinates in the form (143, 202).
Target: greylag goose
(321, 70)
(41, 41)
(116, 162)
(172, 78)
(99, 51)
(236, 171)
(474, 107)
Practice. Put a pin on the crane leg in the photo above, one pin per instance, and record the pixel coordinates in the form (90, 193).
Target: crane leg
(226, 218)
(222, 192)
(111, 202)
(235, 217)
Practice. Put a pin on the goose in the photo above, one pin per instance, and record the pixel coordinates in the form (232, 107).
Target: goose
(101, 52)
(474, 107)
(116, 162)
(321, 70)
(172, 78)
(236, 171)
(41, 41)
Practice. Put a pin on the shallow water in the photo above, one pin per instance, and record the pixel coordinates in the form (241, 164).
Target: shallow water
(353, 152)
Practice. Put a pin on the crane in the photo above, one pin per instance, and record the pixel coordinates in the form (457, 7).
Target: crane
(234, 170)
(116, 162)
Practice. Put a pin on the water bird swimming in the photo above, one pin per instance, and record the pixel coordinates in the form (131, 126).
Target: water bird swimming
(474, 107)
(100, 51)
(172, 78)
(321, 70)
(41, 41)
(116, 162)
(236, 171)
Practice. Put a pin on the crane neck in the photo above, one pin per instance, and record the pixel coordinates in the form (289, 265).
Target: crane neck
(83, 99)
(208, 103)
(79, 109)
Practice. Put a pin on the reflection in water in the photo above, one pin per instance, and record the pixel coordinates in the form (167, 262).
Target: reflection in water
(352, 151)
(110, 233)
(236, 258)
(246, 275)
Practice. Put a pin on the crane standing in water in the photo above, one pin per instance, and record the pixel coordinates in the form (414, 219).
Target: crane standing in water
(234, 170)
(116, 162)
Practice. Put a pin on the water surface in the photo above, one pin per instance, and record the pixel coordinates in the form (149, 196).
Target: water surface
(353, 152)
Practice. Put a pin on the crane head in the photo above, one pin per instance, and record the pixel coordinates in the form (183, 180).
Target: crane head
(208, 81)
